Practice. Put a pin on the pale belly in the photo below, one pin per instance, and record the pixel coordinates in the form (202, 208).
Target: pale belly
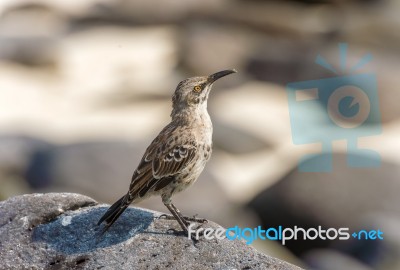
(190, 174)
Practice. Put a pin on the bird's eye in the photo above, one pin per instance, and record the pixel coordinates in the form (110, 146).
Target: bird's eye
(197, 88)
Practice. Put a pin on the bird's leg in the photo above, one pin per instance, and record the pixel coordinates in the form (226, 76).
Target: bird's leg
(178, 216)
(193, 219)
(187, 219)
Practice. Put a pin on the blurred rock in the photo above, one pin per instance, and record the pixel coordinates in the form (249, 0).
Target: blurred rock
(383, 66)
(22, 43)
(259, 112)
(234, 140)
(281, 20)
(332, 260)
(148, 12)
(124, 61)
(130, 87)
(255, 107)
(343, 198)
(386, 255)
(209, 47)
(94, 12)
(100, 169)
(285, 61)
(58, 231)
(371, 25)
(16, 153)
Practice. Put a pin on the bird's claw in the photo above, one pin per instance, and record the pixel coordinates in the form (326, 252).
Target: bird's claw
(187, 219)
(173, 231)
(196, 219)
(163, 216)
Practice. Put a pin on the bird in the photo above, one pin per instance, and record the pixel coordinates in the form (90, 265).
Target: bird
(176, 157)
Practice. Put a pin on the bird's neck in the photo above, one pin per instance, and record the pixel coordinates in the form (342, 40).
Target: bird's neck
(196, 115)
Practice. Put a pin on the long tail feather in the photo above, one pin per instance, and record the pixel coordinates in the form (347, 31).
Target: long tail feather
(113, 213)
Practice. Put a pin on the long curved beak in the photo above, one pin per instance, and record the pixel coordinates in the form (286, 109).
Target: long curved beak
(213, 77)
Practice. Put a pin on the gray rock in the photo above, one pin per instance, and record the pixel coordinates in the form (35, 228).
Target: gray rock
(58, 231)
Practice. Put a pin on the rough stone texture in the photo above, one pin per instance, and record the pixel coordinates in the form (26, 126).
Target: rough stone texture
(58, 231)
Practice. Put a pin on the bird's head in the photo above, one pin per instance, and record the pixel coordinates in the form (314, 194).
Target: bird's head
(193, 92)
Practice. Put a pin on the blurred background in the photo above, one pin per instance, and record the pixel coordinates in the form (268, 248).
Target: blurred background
(86, 85)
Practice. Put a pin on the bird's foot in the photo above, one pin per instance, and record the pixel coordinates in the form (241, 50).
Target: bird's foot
(176, 232)
(196, 219)
(187, 219)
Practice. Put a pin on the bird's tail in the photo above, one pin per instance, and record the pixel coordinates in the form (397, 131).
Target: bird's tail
(114, 212)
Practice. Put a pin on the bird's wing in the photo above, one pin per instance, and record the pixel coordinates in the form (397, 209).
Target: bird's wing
(168, 155)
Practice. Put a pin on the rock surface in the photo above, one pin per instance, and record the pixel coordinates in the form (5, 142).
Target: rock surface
(58, 231)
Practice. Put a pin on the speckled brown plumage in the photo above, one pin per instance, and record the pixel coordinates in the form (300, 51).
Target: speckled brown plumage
(177, 156)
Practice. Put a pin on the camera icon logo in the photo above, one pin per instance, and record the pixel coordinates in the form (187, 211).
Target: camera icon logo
(345, 107)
